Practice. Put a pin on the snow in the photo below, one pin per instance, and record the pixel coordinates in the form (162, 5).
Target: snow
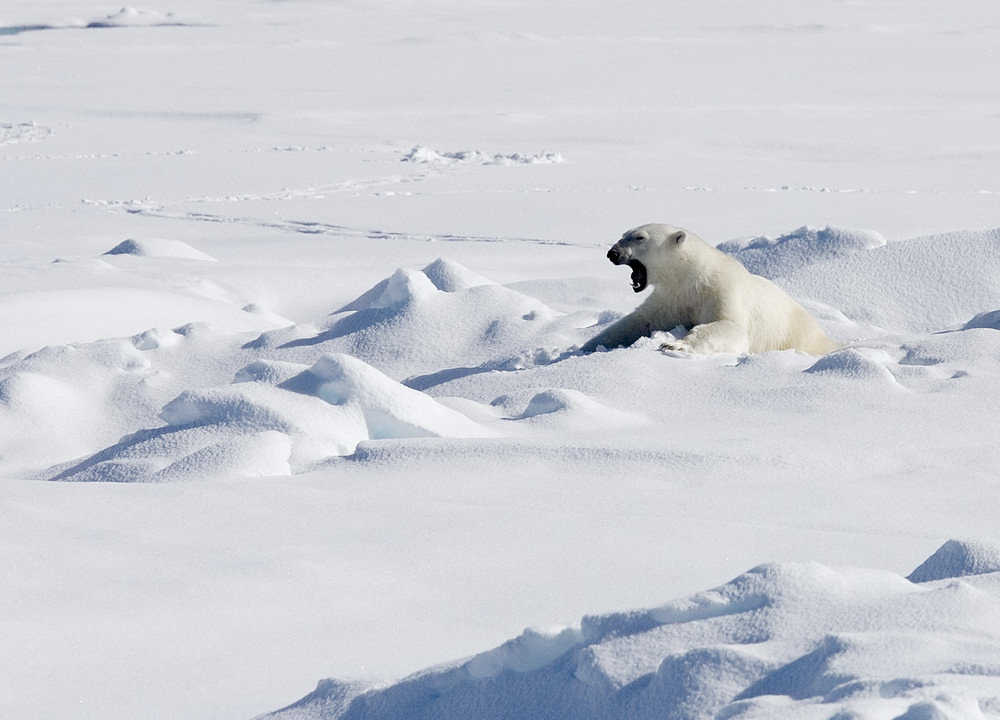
(421, 154)
(154, 247)
(290, 297)
(958, 559)
(788, 639)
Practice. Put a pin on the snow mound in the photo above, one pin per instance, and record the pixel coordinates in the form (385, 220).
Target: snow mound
(159, 248)
(250, 429)
(449, 276)
(773, 257)
(958, 559)
(406, 285)
(133, 17)
(990, 319)
(403, 287)
(573, 410)
(424, 155)
(62, 402)
(782, 640)
(441, 318)
(391, 410)
(276, 418)
(854, 364)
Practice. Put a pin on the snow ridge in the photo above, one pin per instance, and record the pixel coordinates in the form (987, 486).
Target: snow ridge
(772, 257)
(782, 640)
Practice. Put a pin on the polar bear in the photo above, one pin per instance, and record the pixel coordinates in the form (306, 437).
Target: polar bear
(724, 307)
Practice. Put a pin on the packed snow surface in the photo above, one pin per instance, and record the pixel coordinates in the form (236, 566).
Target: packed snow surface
(291, 295)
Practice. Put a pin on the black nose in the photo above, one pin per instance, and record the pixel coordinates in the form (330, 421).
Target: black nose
(614, 256)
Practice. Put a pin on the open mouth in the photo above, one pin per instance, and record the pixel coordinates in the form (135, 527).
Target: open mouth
(638, 275)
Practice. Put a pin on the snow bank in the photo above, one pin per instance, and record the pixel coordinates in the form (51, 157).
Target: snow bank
(773, 257)
(921, 285)
(782, 640)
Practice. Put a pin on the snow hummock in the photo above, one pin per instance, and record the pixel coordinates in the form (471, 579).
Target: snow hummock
(275, 419)
(444, 317)
(957, 559)
(159, 248)
(989, 319)
(782, 640)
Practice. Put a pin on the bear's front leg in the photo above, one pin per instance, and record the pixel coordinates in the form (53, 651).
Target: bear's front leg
(721, 336)
(620, 333)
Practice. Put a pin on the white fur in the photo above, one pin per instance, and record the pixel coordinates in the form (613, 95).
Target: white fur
(725, 308)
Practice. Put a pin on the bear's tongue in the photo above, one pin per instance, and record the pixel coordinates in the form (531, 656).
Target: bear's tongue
(638, 275)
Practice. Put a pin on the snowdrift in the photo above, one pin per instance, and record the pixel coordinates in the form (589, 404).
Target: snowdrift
(441, 318)
(256, 428)
(794, 640)
(161, 248)
(444, 352)
(920, 285)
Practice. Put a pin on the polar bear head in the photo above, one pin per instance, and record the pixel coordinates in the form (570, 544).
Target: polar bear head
(647, 247)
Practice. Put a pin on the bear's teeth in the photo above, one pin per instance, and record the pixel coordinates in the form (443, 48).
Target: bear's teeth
(638, 275)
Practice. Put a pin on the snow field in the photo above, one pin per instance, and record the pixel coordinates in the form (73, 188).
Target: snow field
(296, 285)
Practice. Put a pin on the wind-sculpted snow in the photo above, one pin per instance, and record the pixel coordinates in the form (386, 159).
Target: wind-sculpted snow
(260, 427)
(441, 318)
(958, 559)
(475, 358)
(438, 366)
(161, 248)
(917, 285)
(772, 257)
(990, 319)
(782, 640)
(62, 402)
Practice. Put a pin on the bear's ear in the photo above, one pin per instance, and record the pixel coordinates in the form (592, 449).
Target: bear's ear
(678, 237)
